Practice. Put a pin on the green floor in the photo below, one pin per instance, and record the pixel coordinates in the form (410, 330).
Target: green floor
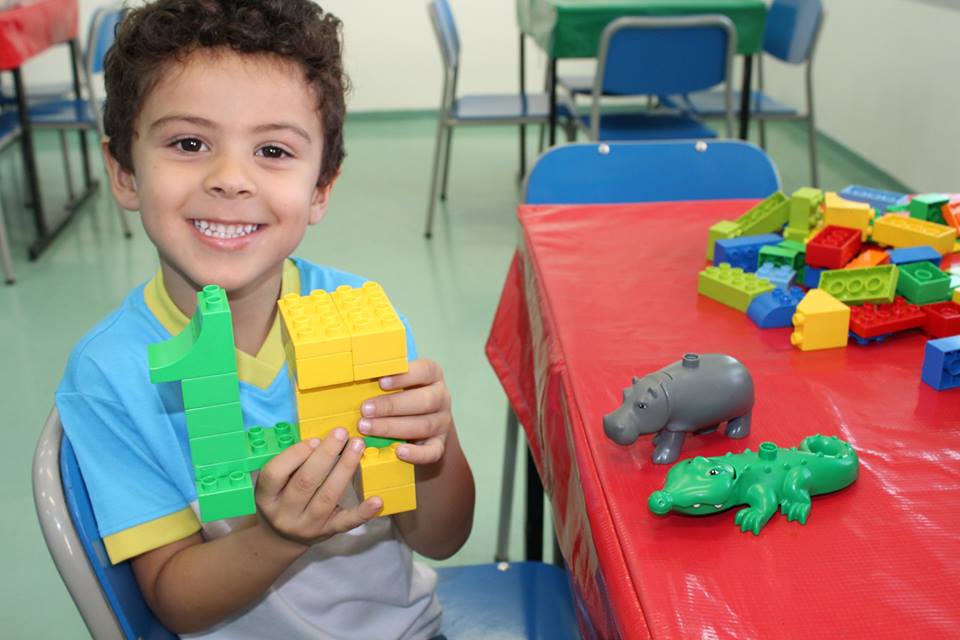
(448, 287)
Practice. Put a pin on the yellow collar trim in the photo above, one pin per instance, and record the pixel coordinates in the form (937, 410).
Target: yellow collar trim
(259, 370)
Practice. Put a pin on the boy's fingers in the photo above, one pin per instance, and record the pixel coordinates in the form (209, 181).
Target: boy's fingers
(313, 472)
(417, 427)
(325, 500)
(410, 402)
(421, 372)
(346, 519)
(274, 475)
(426, 452)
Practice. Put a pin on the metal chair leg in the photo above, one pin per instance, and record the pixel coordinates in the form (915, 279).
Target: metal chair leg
(812, 137)
(67, 169)
(434, 177)
(506, 487)
(446, 164)
(5, 250)
(762, 125)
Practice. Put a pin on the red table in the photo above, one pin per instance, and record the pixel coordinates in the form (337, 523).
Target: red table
(598, 293)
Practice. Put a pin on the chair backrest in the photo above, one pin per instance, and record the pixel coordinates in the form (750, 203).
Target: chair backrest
(107, 596)
(650, 172)
(791, 29)
(445, 28)
(100, 36)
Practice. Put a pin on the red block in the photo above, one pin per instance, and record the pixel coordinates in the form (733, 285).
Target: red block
(833, 247)
(943, 319)
(872, 320)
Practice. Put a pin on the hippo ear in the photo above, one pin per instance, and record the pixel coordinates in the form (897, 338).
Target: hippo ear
(652, 392)
(635, 380)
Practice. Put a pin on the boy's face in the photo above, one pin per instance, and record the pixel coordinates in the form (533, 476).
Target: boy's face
(226, 156)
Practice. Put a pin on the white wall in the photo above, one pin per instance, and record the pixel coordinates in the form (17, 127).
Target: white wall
(887, 80)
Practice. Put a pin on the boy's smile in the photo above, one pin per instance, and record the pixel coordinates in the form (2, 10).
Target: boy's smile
(226, 157)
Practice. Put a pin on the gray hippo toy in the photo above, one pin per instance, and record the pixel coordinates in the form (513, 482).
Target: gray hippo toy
(693, 395)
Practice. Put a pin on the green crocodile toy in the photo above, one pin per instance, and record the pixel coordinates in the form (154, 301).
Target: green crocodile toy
(763, 480)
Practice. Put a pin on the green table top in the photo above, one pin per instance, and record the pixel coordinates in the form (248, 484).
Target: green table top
(572, 28)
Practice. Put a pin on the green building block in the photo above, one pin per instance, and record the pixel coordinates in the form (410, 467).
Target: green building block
(731, 287)
(923, 283)
(210, 390)
(720, 231)
(859, 286)
(892, 208)
(214, 420)
(777, 256)
(266, 443)
(225, 496)
(219, 448)
(766, 216)
(927, 207)
(204, 348)
(378, 442)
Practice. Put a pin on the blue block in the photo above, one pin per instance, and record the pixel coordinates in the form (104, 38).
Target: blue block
(915, 254)
(876, 198)
(941, 363)
(775, 309)
(743, 251)
(781, 277)
(811, 276)
(865, 341)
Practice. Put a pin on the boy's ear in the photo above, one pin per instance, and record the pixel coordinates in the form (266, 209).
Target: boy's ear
(122, 182)
(321, 197)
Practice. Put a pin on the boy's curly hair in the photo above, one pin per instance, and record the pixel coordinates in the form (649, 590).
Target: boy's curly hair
(152, 36)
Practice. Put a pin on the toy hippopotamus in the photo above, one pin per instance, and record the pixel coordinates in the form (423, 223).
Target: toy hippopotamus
(693, 395)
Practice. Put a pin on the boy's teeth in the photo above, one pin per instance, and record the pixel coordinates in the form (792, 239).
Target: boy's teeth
(217, 230)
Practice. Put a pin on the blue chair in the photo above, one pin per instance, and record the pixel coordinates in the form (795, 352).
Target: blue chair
(658, 56)
(471, 109)
(9, 132)
(623, 172)
(83, 113)
(791, 35)
(521, 600)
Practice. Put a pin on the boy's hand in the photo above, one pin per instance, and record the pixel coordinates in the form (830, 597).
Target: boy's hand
(298, 492)
(420, 413)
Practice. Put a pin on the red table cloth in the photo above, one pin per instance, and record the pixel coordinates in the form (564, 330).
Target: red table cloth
(32, 26)
(599, 293)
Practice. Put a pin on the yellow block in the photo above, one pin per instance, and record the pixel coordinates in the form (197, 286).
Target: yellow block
(380, 369)
(312, 325)
(383, 474)
(956, 296)
(901, 231)
(320, 427)
(322, 371)
(340, 398)
(821, 322)
(841, 212)
(376, 332)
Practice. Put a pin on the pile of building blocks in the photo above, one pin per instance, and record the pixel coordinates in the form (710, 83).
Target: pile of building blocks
(338, 344)
(837, 271)
(203, 359)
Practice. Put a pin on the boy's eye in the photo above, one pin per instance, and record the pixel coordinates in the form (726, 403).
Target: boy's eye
(190, 145)
(271, 151)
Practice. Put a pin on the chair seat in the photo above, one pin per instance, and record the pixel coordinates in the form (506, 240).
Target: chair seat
(650, 126)
(710, 103)
(37, 93)
(63, 113)
(578, 84)
(509, 107)
(9, 127)
(506, 601)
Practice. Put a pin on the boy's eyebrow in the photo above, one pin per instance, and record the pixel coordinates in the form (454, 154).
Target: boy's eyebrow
(210, 124)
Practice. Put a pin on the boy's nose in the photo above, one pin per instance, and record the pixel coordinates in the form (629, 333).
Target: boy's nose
(228, 178)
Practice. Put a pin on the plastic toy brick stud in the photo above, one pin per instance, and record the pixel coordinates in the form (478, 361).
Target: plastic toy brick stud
(900, 231)
(942, 319)
(928, 206)
(821, 322)
(731, 287)
(775, 309)
(857, 286)
(869, 258)
(376, 332)
(941, 363)
(833, 247)
(777, 256)
(875, 320)
(743, 252)
(316, 340)
(770, 478)
(781, 277)
(226, 496)
(383, 474)
(923, 283)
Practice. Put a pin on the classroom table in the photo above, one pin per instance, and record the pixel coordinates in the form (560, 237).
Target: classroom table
(572, 28)
(28, 28)
(596, 294)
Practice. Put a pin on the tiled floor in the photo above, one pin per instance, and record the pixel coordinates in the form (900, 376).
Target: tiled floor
(448, 286)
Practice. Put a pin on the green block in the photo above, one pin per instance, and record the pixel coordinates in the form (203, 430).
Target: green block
(214, 420)
(859, 286)
(210, 390)
(205, 346)
(923, 283)
(891, 208)
(927, 207)
(777, 256)
(219, 448)
(766, 216)
(265, 443)
(731, 287)
(226, 496)
(378, 442)
(798, 249)
(720, 231)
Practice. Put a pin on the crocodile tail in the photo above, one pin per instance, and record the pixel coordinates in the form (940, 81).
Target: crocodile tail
(839, 465)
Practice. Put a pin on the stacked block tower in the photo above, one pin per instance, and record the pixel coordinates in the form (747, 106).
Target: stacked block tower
(202, 358)
(337, 345)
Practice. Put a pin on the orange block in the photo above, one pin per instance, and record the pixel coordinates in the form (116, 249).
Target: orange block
(951, 214)
(869, 258)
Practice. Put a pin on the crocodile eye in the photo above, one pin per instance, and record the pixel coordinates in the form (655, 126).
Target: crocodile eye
(714, 472)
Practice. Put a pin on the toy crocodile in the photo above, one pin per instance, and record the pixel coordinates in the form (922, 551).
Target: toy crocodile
(763, 480)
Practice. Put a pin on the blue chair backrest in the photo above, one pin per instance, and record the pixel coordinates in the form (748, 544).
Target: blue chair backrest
(665, 55)
(447, 31)
(791, 29)
(103, 29)
(117, 581)
(594, 173)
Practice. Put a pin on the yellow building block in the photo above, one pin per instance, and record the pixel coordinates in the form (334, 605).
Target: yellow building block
(901, 231)
(312, 326)
(380, 369)
(320, 427)
(841, 212)
(325, 401)
(376, 332)
(956, 296)
(821, 322)
(383, 474)
(321, 371)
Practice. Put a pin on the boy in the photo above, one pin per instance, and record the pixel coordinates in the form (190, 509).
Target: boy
(224, 124)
